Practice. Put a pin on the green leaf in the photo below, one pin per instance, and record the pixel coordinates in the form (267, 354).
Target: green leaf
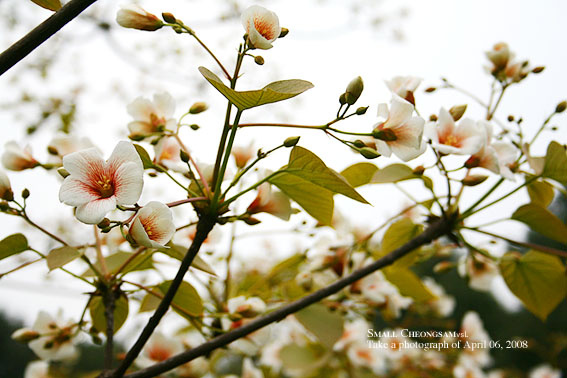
(398, 234)
(408, 283)
(149, 303)
(326, 325)
(398, 172)
(115, 262)
(178, 252)
(310, 183)
(144, 156)
(359, 174)
(96, 308)
(53, 5)
(12, 245)
(541, 220)
(273, 92)
(298, 357)
(556, 163)
(541, 193)
(315, 200)
(186, 298)
(537, 279)
(59, 257)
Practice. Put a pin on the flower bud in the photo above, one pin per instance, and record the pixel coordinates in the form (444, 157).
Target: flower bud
(560, 108)
(25, 335)
(291, 141)
(433, 118)
(418, 171)
(5, 187)
(354, 90)
(251, 221)
(342, 99)
(443, 266)
(473, 180)
(259, 60)
(169, 18)
(194, 127)
(369, 153)
(103, 223)
(25, 193)
(430, 90)
(457, 111)
(52, 150)
(362, 110)
(134, 17)
(358, 143)
(538, 69)
(198, 107)
(284, 32)
(63, 172)
(183, 156)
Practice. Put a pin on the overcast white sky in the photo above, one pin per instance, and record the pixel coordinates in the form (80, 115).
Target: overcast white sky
(441, 38)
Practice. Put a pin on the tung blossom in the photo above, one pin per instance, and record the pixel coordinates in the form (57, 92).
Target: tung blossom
(159, 348)
(96, 187)
(246, 307)
(37, 369)
(5, 187)
(261, 25)
(401, 133)
(404, 86)
(134, 17)
(55, 341)
(465, 139)
(16, 158)
(267, 201)
(167, 154)
(62, 145)
(153, 225)
(151, 117)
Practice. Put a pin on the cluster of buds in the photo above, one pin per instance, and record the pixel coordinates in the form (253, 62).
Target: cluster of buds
(505, 68)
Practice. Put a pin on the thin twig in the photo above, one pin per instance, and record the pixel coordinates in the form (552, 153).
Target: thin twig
(41, 33)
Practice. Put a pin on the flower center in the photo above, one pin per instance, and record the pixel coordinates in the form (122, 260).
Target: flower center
(105, 187)
(263, 28)
(452, 140)
(159, 354)
(157, 122)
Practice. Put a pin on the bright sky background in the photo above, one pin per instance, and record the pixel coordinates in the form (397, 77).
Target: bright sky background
(328, 46)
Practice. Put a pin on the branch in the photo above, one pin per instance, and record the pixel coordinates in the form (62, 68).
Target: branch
(204, 226)
(433, 232)
(41, 33)
(109, 301)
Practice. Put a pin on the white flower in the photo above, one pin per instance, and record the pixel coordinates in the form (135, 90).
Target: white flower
(545, 371)
(151, 117)
(242, 155)
(247, 307)
(153, 225)
(380, 291)
(479, 270)
(443, 304)
(261, 25)
(354, 332)
(56, 338)
(475, 333)
(5, 187)
(167, 154)
(16, 158)
(134, 17)
(37, 369)
(62, 145)
(275, 203)
(404, 86)
(466, 139)
(354, 342)
(159, 348)
(400, 133)
(95, 187)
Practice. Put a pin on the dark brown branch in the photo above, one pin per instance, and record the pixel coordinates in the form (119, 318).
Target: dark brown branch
(109, 301)
(204, 226)
(41, 33)
(436, 230)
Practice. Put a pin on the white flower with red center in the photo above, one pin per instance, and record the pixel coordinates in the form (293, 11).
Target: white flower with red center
(5, 187)
(401, 133)
(153, 225)
(404, 86)
(96, 187)
(151, 117)
(16, 158)
(465, 139)
(261, 25)
(167, 154)
(62, 145)
(267, 201)
(246, 307)
(354, 341)
(134, 17)
(479, 270)
(55, 341)
(158, 349)
(380, 291)
(497, 157)
(242, 155)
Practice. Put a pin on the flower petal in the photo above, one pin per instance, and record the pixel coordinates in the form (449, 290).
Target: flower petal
(164, 104)
(141, 109)
(400, 111)
(128, 183)
(95, 211)
(76, 193)
(80, 163)
(383, 148)
(124, 152)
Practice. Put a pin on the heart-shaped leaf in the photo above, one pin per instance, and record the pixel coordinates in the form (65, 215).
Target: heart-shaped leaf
(326, 325)
(541, 193)
(542, 221)
(273, 92)
(12, 245)
(186, 298)
(359, 174)
(59, 257)
(538, 279)
(96, 307)
(398, 172)
(556, 163)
